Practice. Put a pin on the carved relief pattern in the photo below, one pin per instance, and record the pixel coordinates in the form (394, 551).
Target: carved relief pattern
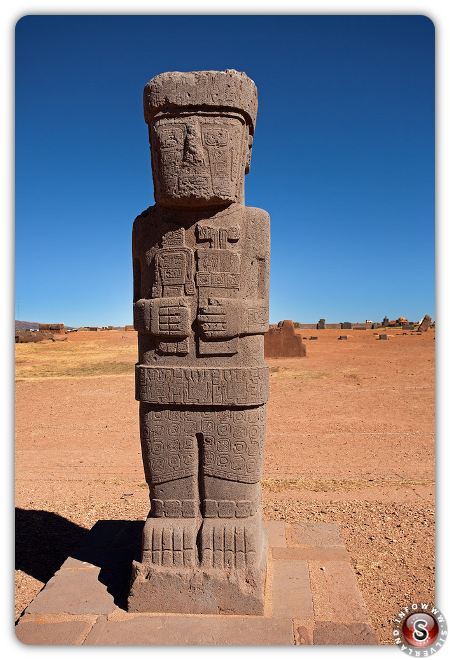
(239, 386)
(215, 152)
(174, 279)
(229, 443)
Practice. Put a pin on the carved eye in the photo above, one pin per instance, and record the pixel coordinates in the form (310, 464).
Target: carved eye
(170, 137)
(215, 137)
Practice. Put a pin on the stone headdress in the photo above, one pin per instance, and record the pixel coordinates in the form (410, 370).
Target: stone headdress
(228, 90)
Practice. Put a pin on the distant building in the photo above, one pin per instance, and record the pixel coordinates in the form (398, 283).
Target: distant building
(54, 328)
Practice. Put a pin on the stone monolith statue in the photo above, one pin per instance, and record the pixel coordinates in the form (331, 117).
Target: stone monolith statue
(201, 297)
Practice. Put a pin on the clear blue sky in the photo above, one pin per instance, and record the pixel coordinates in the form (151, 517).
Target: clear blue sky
(343, 157)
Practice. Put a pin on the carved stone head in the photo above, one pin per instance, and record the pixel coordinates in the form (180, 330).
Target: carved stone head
(201, 128)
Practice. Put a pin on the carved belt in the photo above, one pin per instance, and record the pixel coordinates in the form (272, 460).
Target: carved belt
(237, 386)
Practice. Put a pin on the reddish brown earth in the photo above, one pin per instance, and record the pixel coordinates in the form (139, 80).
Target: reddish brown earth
(350, 439)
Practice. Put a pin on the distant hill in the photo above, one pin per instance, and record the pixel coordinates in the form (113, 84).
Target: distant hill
(26, 325)
(32, 325)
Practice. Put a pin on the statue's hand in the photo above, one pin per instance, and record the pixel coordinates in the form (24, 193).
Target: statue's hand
(170, 317)
(163, 317)
(220, 319)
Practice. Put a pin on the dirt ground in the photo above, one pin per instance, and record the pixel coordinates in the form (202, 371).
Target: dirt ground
(350, 439)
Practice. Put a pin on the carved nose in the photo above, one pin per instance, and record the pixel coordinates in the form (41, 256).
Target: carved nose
(193, 149)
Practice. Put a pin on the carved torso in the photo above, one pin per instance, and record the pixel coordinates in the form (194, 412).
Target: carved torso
(201, 288)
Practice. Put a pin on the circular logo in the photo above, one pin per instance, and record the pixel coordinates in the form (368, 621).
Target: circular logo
(420, 629)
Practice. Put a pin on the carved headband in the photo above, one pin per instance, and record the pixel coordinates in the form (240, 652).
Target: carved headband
(207, 90)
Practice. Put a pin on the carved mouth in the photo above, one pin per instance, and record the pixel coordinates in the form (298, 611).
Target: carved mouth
(195, 185)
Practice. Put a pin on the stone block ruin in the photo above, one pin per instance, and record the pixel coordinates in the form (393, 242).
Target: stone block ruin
(425, 324)
(283, 342)
(46, 331)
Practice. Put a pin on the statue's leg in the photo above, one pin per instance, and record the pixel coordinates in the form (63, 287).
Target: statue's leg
(176, 498)
(170, 458)
(231, 535)
(231, 532)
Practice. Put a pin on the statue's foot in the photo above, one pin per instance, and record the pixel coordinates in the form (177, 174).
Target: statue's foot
(170, 542)
(230, 578)
(235, 544)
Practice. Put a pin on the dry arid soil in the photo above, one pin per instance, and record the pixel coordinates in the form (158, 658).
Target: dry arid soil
(350, 439)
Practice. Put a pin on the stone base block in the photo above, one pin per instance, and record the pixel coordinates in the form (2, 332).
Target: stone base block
(196, 590)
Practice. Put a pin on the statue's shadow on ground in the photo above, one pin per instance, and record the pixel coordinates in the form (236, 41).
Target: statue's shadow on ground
(45, 541)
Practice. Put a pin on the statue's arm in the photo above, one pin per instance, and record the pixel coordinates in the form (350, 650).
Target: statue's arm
(255, 309)
(225, 318)
(162, 317)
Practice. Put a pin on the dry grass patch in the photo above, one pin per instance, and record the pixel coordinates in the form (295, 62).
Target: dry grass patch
(335, 485)
(297, 374)
(72, 360)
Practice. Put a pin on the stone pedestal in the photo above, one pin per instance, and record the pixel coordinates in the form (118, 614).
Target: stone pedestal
(224, 583)
(310, 597)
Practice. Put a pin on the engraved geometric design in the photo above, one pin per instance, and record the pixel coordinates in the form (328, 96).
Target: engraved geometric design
(172, 448)
(238, 386)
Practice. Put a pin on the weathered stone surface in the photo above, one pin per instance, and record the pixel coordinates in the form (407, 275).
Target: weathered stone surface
(198, 90)
(232, 584)
(192, 630)
(311, 553)
(321, 324)
(335, 592)
(48, 634)
(283, 342)
(320, 535)
(201, 278)
(331, 633)
(324, 607)
(65, 592)
(291, 592)
(425, 324)
(54, 328)
(277, 534)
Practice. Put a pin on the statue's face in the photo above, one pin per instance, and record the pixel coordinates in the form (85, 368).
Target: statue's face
(199, 160)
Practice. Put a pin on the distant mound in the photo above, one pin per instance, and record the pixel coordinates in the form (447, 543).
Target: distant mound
(26, 325)
(26, 336)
